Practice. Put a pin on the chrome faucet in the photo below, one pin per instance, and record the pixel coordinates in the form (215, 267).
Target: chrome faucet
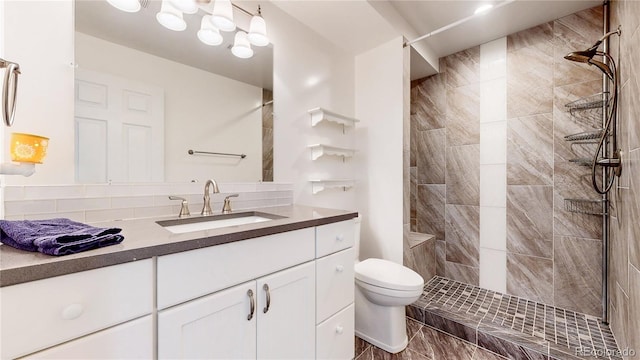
(206, 208)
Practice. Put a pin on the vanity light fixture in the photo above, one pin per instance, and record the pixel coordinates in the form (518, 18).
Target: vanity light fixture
(170, 17)
(126, 5)
(220, 19)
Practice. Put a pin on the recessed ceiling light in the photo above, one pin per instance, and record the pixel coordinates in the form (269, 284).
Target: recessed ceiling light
(483, 9)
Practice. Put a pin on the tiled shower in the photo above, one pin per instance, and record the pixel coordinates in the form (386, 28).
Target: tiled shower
(490, 169)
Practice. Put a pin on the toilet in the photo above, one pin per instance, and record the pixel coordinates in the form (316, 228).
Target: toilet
(383, 289)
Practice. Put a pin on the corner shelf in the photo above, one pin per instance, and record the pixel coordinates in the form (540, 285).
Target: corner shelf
(319, 150)
(319, 114)
(325, 184)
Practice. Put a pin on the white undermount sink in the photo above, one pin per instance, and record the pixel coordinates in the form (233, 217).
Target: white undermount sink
(186, 225)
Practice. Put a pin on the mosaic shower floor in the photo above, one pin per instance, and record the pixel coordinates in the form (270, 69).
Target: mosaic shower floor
(511, 326)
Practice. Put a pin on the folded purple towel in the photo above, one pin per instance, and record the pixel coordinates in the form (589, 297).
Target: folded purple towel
(56, 236)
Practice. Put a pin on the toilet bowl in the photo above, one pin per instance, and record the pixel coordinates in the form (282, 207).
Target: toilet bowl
(383, 289)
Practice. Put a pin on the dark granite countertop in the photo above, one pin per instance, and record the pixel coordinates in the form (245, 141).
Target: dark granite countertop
(144, 238)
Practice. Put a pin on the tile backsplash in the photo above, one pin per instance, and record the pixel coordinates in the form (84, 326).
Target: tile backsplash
(104, 202)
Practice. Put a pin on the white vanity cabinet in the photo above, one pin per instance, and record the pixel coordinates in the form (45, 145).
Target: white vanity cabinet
(45, 313)
(269, 318)
(335, 290)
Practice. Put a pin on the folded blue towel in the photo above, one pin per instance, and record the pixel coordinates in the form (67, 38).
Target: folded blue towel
(56, 236)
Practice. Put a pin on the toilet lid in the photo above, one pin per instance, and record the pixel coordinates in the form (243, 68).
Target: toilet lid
(387, 274)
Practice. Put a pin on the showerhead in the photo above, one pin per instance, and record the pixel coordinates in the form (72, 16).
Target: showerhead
(586, 56)
(581, 56)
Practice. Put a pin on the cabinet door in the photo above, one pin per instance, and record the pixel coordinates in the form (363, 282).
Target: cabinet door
(131, 340)
(286, 314)
(218, 326)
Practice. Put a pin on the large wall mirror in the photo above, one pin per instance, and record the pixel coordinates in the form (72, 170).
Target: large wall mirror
(146, 95)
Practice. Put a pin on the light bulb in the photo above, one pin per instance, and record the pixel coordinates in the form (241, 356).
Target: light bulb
(222, 16)
(186, 6)
(208, 33)
(241, 46)
(170, 17)
(258, 31)
(125, 5)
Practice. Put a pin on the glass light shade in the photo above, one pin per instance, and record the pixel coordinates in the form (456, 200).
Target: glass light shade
(258, 31)
(28, 148)
(125, 5)
(170, 17)
(186, 6)
(241, 46)
(222, 16)
(208, 33)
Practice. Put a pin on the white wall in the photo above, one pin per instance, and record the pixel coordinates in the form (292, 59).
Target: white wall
(40, 39)
(379, 104)
(203, 111)
(309, 72)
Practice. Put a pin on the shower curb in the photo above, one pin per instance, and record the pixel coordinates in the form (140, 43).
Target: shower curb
(474, 325)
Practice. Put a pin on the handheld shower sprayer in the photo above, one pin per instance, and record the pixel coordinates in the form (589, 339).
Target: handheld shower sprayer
(608, 68)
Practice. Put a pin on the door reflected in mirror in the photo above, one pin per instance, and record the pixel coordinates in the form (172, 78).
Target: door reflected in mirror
(145, 96)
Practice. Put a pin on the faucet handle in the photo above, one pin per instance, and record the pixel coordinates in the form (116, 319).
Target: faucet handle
(226, 207)
(184, 210)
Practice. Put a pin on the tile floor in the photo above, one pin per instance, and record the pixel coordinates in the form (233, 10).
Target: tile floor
(426, 342)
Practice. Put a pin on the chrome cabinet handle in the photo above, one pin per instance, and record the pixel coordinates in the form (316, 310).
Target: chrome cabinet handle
(268, 293)
(252, 301)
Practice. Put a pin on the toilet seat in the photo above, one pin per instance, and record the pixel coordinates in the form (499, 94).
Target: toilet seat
(392, 293)
(385, 274)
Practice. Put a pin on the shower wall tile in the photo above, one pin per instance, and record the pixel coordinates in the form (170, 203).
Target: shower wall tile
(619, 248)
(530, 80)
(632, 216)
(578, 274)
(493, 100)
(530, 149)
(493, 270)
(493, 185)
(413, 179)
(493, 59)
(431, 156)
(634, 89)
(429, 102)
(463, 68)
(529, 37)
(441, 254)
(493, 228)
(619, 315)
(493, 143)
(530, 277)
(463, 273)
(463, 175)
(430, 210)
(576, 32)
(530, 220)
(463, 115)
(633, 327)
(413, 140)
(462, 234)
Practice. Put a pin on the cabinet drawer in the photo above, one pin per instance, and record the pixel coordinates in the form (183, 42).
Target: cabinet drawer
(191, 274)
(334, 237)
(131, 340)
(334, 283)
(66, 307)
(334, 337)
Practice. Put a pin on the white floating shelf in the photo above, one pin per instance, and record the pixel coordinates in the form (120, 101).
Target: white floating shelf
(319, 114)
(318, 150)
(320, 185)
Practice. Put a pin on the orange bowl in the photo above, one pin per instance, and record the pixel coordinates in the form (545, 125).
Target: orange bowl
(28, 148)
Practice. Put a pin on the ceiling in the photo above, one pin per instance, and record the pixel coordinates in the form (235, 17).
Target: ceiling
(359, 25)
(142, 31)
